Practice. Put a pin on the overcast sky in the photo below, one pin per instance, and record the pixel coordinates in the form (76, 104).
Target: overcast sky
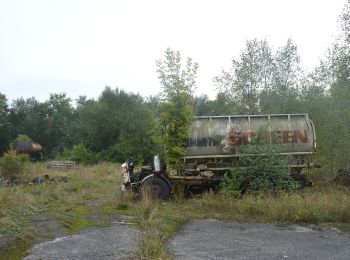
(81, 46)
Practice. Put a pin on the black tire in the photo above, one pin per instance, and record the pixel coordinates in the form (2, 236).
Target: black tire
(300, 178)
(159, 187)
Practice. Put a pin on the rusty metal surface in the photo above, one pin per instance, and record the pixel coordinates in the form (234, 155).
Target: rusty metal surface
(223, 135)
(27, 147)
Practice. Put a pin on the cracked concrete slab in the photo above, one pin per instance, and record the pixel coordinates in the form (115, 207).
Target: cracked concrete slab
(114, 242)
(214, 239)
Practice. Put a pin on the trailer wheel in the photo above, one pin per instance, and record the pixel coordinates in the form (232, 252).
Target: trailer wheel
(300, 178)
(158, 187)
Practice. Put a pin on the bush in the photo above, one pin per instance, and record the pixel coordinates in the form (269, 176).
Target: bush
(264, 170)
(23, 138)
(11, 164)
(78, 154)
(231, 187)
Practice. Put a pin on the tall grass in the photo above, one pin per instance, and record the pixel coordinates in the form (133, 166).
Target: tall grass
(156, 220)
(160, 220)
(67, 202)
(152, 238)
(325, 205)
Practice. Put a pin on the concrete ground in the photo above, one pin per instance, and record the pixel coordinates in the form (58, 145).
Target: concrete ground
(203, 239)
(113, 242)
(214, 239)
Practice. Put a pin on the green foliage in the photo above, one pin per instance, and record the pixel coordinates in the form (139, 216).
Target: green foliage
(23, 138)
(79, 154)
(247, 76)
(326, 97)
(172, 128)
(48, 123)
(261, 80)
(176, 113)
(23, 158)
(11, 164)
(4, 124)
(221, 105)
(67, 204)
(175, 80)
(264, 170)
(231, 186)
(115, 126)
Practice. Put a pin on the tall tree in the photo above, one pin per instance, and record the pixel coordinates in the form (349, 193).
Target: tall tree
(115, 126)
(31, 117)
(326, 97)
(345, 23)
(61, 117)
(173, 78)
(221, 105)
(176, 112)
(4, 124)
(280, 95)
(248, 76)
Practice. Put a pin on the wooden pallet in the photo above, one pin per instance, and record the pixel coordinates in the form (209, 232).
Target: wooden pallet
(61, 165)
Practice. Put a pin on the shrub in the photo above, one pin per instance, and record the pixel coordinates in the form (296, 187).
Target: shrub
(264, 170)
(78, 154)
(23, 138)
(11, 164)
(231, 187)
(23, 158)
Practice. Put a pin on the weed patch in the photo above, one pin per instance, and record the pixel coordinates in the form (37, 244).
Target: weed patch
(154, 229)
(158, 221)
(67, 202)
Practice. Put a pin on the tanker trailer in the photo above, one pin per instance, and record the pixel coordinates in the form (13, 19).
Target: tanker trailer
(214, 142)
(34, 150)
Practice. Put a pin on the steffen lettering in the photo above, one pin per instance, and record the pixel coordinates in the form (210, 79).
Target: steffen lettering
(282, 136)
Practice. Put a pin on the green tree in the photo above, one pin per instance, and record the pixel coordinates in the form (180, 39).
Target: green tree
(221, 105)
(345, 23)
(31, 117)
(176, 112)
(4, 124)
(175, 118)
(173, 78)
(325, 95)
(247, 77)
(281, 94)
(61, 117)
(263, 82)
(115, 126)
